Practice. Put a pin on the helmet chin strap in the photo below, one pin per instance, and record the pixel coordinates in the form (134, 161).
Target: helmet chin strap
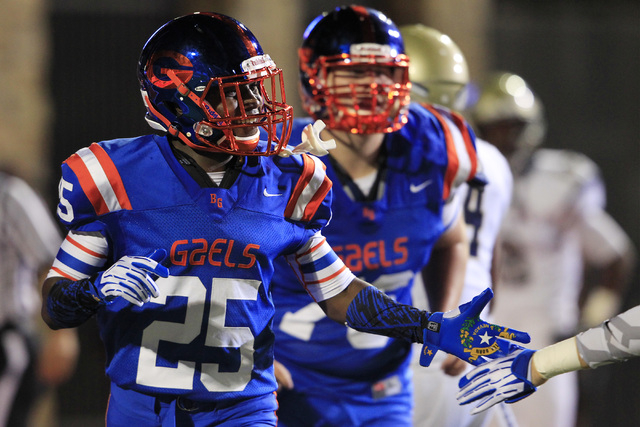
(239, 143)
(252, 138)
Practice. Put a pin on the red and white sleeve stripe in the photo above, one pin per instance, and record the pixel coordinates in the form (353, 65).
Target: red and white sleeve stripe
(462, 163)
(99, 179)
(310, 191)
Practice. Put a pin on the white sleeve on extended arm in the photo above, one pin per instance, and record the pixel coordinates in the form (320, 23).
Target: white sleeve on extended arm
(319, 269)
(615, 340)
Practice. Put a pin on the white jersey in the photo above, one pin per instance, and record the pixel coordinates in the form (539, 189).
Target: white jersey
(555, 225)
(484, 209)
(29, 240)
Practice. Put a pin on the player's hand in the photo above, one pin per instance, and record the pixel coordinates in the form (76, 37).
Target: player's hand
(132, 278)
(504, 379)
(453, 366)
(283, 376)
(57, 358)
(462, 333)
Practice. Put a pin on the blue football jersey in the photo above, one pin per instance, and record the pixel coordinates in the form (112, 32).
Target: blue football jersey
(208, 336)
(384, 239)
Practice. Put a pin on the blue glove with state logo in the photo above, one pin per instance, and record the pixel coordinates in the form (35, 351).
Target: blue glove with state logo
(505, 379)
(462, 333)
(131, 278)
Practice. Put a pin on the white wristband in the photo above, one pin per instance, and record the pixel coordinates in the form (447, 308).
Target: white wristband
(557, 359)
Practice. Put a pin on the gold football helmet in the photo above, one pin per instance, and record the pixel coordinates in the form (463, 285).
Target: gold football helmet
(437, 69)
(509, 115)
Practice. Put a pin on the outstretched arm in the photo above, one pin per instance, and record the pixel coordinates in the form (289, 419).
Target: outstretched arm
(518, 375)
(460, 332)
(351, 301)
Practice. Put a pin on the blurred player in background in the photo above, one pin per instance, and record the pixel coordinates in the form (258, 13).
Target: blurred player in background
(30, 359)
(518, 375)
(556, 227)
(396, 172)
(189, 338)
(440, 75)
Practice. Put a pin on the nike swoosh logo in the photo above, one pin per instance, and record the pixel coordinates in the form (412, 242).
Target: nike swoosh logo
(267, 194)
(415, 188)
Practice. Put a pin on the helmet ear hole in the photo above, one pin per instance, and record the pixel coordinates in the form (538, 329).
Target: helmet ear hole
(173, 108)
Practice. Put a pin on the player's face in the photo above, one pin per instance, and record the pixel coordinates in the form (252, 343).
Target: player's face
(355, 85)
(503, 134)
(238, 101)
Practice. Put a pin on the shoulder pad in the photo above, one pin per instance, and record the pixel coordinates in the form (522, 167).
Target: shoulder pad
(462, 164)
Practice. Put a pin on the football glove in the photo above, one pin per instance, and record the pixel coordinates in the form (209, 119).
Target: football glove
(504, 379)
(132, 278)
(462, 333)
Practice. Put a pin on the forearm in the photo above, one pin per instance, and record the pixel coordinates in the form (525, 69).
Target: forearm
(444, 275)
(67, 303)
(615, 340)
(373, 312)
(554, 360)
(454, 261)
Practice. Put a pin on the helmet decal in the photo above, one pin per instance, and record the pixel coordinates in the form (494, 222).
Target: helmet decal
(381, 51)
(260, 64)
(161, 61)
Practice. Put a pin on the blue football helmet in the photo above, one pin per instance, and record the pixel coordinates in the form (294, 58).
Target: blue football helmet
(358, 40)
(204, 76)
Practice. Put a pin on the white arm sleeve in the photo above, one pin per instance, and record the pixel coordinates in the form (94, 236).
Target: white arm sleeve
(81, 255)
(615, 340)
(319, 269)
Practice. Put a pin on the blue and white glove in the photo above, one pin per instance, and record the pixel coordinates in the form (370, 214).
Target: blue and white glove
(131, 278)
(462, 333)
(505, 379)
